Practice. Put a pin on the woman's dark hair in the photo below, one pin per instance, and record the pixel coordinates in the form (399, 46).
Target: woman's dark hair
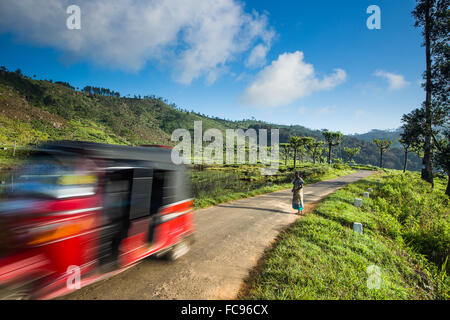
(297, 174)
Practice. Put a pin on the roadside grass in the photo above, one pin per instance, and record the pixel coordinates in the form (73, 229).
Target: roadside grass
(222, 184)
(321, 257)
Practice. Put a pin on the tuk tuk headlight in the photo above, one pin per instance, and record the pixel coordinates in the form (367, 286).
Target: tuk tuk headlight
(59, 231)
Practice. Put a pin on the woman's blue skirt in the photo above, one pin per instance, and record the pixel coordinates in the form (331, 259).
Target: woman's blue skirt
(297, 206)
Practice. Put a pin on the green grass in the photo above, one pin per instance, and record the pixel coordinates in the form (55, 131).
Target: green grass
(321, 257)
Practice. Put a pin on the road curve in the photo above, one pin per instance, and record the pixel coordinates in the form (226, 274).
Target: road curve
(230, 239)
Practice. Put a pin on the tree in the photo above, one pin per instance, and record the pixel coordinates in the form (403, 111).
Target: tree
(440, 44)
(301, 152)
(333, 139)
(440, 78)
(382, 145)
(286, 149)
(295, 144)
(433, 17)
(351, 153)
(411, 138)
(307, 143)
(316, 150)
(422, 14)
(442, 155)
(406, 143)
(322, 155)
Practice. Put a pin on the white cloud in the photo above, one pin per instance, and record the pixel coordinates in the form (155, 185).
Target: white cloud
(396, 81)
(194, 38)
(257, 57)
(287, 79)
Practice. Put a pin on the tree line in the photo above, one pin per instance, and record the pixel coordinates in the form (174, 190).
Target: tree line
(298, 147)
(321, 150)
(100, 91)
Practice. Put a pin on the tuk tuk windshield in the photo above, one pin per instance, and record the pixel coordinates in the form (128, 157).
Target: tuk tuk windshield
(54, 176)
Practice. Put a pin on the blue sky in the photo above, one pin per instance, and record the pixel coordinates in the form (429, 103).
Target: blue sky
(318, 65)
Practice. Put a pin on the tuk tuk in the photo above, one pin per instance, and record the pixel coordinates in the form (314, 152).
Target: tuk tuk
(77, 212)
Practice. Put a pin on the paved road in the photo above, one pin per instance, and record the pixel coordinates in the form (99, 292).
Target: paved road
(230, 239)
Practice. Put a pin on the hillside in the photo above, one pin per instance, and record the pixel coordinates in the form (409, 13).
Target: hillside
(393, 135)
(32, 111)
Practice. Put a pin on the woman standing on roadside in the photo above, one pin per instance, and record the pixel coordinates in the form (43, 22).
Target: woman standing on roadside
(297, 189)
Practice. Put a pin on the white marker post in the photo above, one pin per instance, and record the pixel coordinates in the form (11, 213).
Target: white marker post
(357, 227)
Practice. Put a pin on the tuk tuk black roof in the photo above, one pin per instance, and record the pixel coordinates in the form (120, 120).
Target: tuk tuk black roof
(113, 152)
(158, 158)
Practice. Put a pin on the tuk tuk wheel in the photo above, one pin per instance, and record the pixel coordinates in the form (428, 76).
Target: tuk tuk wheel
(178, 250)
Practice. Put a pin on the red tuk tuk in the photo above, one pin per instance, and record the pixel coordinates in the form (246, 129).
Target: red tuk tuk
(78, 212)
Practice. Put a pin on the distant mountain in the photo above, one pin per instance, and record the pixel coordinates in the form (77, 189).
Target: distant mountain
(33, 111)
(393, 135)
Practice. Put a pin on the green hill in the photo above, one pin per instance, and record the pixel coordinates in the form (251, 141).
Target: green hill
(393, 135)
(32, 111)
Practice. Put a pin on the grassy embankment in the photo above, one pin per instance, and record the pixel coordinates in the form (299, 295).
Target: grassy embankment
(406, 235)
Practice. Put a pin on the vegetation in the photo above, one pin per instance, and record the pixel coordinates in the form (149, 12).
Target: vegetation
(382, 145)
(295, 143)
(286, 149)
(99, 91)
(333, 139)
(406, 235)
(351, 153)
(317, 150)
(442, 156)
(414, 137)
(408, 142)
(428, 124)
